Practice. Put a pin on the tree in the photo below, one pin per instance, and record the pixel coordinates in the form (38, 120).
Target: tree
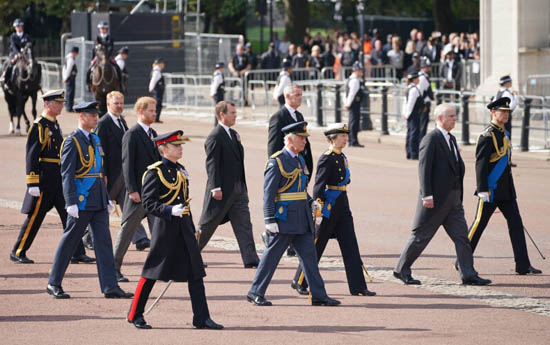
(227, 17)
(443, 15)
(296, 19)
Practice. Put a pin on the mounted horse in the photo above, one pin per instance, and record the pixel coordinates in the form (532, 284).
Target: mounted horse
(104, 78)
(26, 77)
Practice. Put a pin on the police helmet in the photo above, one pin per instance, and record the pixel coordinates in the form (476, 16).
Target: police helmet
(18, 22)
(103, 25)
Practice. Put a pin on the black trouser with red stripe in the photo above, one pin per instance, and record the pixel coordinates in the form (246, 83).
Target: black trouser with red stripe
(40, 207)
(196, 293)
(510, 211)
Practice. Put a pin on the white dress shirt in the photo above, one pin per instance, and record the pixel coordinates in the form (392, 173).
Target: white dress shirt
(423, 85)
(216, 81)
(155, 77)
(292, 112)
(145, 127)
(513, 99)
(412, 95)
(68, 66)
(354, 85)
(120, 62)
(450, 70)
(283, 82)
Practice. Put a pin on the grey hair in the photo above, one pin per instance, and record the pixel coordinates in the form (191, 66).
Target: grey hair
(441, 109)
(287, 138)
(289, 89)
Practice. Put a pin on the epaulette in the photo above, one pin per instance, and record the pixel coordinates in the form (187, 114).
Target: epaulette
(154, 165)
(487, 132)
(37, 120)
(328, 152)
(276, 154)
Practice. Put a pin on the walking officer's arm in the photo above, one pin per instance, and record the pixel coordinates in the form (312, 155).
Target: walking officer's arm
(272, 178)
(33, 152)
(150, 196)
(322, 176)
(69, 156)
(484, 149)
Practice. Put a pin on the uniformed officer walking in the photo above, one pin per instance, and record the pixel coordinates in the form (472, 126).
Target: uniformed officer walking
(334, 217)
(283, 81)
(217, 87)
(156, 86)
(43, 179)
(425, 88)
(495, 185)
(354, 95)
(174, 254)
(288, 219)
(120, 60)
(412, 110)
(87, 203)
(69, 77)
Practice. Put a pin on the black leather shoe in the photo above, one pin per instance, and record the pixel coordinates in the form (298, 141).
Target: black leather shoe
(117, 292)
(476, 280)
(327, 301)
(57, 291)
(407, 279)
(258, 300)
(290, 252)
(299, 288)
(252, 265)
(121, 278)
(139, 322)
(23, 259)
(209, 324)
(82, 258)
(143, 244)
(365, 292)
(529, 270)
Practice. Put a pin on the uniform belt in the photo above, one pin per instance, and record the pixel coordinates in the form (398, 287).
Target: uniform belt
(291, 196)
(342, 188)
(92, 175)
(50, 160)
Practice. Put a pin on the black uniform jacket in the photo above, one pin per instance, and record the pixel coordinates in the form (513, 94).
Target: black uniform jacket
(224, 167)
(487, 151)
(111, 141)
(174, 253)
(331, 170)
(43, 158)
(439, 174)
(275, 140)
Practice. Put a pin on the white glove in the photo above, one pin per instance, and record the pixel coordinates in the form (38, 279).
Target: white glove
(318, 220)
(272, 227)
(73, 211)
(110, 207)
(483, 196)
(177, 210)
(34, 191)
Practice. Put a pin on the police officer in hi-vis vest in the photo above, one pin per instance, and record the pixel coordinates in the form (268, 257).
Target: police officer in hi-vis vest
(44, 179)
(87, 203)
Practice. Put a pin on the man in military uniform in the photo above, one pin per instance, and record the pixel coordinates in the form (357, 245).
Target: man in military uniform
(354, 95)
(120, 60)
(495, 185)
(43, 178)
(18, 40)
(333, 214)
(69, 77)
(411, 112)
(174, 254)
(425, 88)
(217, 87)
(283, 80)
(288, 219)
(87, 203)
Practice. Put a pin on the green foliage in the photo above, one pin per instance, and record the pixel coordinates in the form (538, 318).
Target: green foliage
(227, 17)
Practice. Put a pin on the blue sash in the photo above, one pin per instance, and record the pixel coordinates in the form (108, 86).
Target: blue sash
(331, 195)
(497, 171)
(84, 184)
(281, 207)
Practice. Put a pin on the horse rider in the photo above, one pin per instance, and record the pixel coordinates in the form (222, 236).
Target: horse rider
(104, 39)
(18, 40)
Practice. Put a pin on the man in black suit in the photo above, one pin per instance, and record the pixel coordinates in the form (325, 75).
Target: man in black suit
(226, 196)
(138, 152)
(441, 172)
(110, 129)
(287, 115)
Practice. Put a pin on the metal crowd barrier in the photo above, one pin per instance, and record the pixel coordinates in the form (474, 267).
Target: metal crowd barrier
(51, 76)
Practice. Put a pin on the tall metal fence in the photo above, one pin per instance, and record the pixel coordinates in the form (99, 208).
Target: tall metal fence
(194, 55)
(537, 84)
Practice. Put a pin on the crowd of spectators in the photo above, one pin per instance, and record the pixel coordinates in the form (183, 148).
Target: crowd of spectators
(342, 49)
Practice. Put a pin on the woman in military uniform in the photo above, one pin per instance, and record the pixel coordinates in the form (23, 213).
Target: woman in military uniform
(174, 253)
(333, 215)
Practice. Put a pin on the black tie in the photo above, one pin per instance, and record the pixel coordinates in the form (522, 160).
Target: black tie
(150, 133)
(121, 124)
(454, 146)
